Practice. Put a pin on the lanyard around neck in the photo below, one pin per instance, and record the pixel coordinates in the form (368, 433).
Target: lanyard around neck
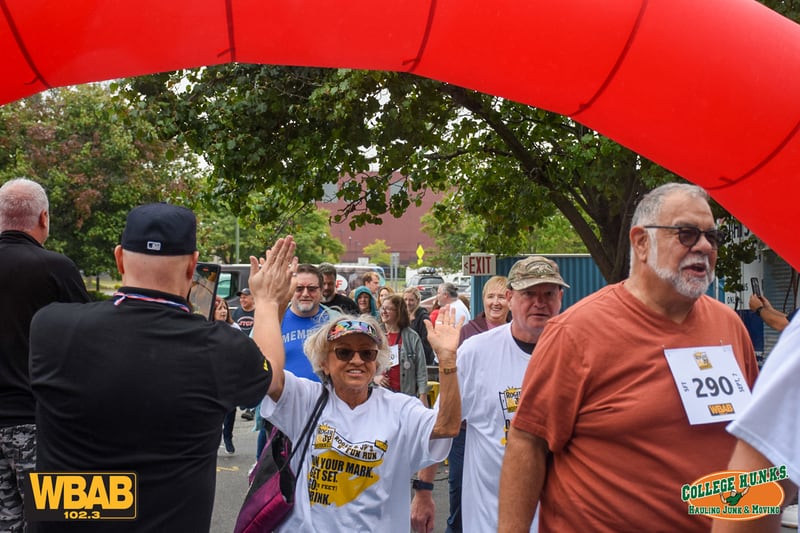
(133, 296)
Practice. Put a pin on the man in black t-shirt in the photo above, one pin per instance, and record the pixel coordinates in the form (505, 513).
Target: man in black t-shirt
(30, 278)
(139, 383)
(330, 296)
(244, 315)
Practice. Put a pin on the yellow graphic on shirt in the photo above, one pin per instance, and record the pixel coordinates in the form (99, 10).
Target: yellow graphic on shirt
(509, 400)
(344, 470)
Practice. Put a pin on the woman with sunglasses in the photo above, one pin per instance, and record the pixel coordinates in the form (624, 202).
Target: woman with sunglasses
(368, 442)
(407, 372)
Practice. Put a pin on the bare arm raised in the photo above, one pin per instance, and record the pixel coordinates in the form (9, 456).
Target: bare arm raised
(272, 283)
(443, 337)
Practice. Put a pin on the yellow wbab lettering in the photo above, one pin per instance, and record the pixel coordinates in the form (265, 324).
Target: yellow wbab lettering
(74, 495)
(121, 492)
(74, 488)
(46, 491)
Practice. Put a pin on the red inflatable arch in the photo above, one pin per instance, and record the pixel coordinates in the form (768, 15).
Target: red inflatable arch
(707, 89)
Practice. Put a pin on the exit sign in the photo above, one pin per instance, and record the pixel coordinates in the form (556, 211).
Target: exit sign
(478, 265)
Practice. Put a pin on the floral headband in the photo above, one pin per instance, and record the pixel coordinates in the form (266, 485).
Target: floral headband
(348, 327)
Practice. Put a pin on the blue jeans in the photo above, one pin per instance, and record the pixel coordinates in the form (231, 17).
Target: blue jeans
(261, 441)
(456, 462)
(227, 424)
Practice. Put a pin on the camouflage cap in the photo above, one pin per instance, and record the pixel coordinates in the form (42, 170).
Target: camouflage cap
(534, 270)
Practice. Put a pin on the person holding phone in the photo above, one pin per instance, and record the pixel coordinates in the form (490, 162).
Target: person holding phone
(771, 316)
(139, 383)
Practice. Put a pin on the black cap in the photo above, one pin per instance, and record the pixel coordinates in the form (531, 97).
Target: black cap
(160, 229)
(244, 291)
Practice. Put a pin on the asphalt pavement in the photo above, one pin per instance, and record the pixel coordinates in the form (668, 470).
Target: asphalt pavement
(232, 481)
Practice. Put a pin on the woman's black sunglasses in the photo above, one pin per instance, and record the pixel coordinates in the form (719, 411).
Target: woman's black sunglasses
(345, 354)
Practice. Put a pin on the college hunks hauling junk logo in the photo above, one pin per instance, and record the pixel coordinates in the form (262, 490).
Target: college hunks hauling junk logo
(736, 495)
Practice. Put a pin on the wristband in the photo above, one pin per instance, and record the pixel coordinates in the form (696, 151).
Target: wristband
(421, 485)
(452, 370)
(758, 311)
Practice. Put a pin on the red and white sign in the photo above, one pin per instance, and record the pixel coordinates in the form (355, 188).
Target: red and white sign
(478, 265)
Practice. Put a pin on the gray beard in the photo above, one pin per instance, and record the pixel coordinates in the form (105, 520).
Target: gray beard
(690, 288)
(303, 307)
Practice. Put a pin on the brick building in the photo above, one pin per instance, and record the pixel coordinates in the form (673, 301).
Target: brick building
(402, 235)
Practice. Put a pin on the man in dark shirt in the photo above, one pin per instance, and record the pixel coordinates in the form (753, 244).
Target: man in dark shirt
(139, 383)
(30, 278)
(244, 315)
(330, 296)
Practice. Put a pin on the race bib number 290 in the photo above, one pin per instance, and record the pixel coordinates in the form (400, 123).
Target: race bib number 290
(711, 384)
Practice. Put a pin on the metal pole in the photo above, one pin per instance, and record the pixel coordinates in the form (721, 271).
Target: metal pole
(236, 253)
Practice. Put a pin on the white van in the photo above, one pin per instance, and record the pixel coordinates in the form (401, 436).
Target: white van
(348, 276)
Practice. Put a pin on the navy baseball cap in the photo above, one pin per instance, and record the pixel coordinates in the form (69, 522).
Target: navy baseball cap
(160, 229)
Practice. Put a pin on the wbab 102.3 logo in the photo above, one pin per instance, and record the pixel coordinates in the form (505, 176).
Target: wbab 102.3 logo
(736, 495)
(79, 496)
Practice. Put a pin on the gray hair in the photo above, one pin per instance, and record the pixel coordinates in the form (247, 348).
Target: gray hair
(449, 289)
(317, 345)
(649, 208)
(650, 205)
(21, 202)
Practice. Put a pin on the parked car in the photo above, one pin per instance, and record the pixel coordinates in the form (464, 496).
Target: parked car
(464, 284)
(426, 284)
(232, 279)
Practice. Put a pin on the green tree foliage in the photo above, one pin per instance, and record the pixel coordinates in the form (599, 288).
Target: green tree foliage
(311, 229)
(96, 161)
(788, 8)
(378, 252)
(515, 170)
(286, 132)
(466, 235)
(315, 244)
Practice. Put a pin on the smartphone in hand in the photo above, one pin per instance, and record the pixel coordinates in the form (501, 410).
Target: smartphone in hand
(202, 295)
(755, 286)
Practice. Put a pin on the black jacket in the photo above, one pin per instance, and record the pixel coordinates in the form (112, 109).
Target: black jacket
(30, 278)
(418, 325)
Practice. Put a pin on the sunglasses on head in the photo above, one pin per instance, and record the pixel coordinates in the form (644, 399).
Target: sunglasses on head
(689, 235)
(345, 354)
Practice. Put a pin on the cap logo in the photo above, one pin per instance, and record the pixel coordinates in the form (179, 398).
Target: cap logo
(541, 269)
(533, 271)
(160, 229)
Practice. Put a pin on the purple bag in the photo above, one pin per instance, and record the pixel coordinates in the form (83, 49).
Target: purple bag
(272, 482)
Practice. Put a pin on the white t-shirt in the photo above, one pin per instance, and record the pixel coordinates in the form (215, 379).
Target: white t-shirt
(490, 371)
(359, 465)
(461, 310)
(771, 423)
